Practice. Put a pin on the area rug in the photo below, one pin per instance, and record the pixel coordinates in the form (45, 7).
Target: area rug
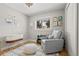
(20, 51)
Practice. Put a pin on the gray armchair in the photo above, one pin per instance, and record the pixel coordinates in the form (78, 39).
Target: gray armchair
(54, 42)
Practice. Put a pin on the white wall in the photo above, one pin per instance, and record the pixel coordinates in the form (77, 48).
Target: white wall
(71, 28)
(33, 32)
(20, 25)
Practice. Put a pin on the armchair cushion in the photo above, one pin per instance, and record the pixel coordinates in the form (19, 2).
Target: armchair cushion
(55, 35)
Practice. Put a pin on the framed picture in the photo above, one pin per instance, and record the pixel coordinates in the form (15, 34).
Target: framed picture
(55, 19)
(43, 24)
(55, 24)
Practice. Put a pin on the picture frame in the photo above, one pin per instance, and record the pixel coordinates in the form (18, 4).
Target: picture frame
(43, 23)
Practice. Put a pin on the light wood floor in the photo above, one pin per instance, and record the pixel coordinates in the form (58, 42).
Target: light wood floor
(61, 53)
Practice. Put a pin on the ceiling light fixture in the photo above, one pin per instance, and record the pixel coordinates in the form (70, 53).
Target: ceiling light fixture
(29, 4)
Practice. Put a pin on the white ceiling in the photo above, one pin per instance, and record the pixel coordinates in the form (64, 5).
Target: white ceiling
(36, 7)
